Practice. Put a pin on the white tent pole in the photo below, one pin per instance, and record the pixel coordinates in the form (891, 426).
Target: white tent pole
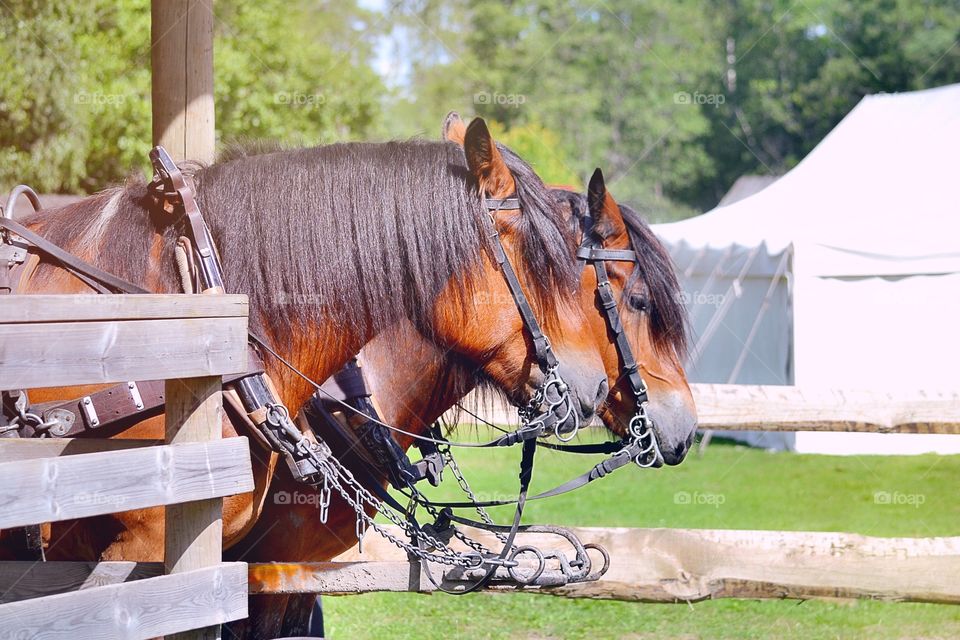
(693, 263)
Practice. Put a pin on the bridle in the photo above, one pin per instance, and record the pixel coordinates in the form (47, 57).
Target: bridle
(312, 462)
(553, 391)
(640, 427)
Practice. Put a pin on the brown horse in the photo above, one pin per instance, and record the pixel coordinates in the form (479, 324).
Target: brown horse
(376, 247)
(413, 383)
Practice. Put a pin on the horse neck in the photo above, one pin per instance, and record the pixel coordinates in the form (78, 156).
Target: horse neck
(412, 383)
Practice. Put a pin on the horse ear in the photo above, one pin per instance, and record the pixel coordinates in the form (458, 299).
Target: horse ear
(485, 162)
(608, 221)
(454, 128)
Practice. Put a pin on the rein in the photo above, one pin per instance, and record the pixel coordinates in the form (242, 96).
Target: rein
(312, 462)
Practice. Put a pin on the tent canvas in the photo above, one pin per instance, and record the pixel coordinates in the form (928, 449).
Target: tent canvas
(843, 273)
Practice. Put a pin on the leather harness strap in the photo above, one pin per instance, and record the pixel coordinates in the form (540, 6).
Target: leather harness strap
(97, 278)
(608, 303)
(176, 191)
(541, 344)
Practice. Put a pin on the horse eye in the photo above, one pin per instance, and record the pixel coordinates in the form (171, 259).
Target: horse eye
(638, 302)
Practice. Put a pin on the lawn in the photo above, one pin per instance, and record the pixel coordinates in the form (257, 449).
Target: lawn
(747, 489)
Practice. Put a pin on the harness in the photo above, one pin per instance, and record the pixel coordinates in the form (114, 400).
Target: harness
(310, 460)
(639, 446)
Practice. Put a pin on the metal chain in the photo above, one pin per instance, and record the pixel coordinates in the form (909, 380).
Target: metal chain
(26, 418)
(465, 487)
(532, 415)
(640, 430)
(341, 479)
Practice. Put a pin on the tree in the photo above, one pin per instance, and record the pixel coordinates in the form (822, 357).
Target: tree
(798, 68)
(603, 77)
(75, 111)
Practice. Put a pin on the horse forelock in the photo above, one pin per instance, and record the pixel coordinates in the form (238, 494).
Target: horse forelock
(547, 244)
(654, 270)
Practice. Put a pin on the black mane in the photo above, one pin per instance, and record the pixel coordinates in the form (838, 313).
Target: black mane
(654, 272)
(353, 231)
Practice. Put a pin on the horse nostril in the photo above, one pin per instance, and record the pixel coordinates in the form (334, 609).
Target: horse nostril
(602, 392)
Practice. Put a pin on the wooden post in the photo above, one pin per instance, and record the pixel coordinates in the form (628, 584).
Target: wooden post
(181, 37)
(193, 530)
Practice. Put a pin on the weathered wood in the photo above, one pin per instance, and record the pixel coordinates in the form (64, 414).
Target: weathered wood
(338, 578)
(685, 565)
(66, 353)
(77, 308)
(140, 609)
(53, 489)
(181, 38)
(651, 565)
(776, 408)
(29, 579)
(194, 531)
(16, 449)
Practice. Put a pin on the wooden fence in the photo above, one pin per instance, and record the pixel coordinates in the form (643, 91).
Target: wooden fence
(685, 565)
(47, 341)
(189, 341)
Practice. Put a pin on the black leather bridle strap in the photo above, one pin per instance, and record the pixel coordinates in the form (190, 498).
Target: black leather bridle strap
(97, 278)
(593, 254)
(608, 304)
(541, 345)
(600, 470)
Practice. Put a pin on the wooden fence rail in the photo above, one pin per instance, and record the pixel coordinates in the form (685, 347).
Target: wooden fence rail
(737, 407)
(648, 565)
(776, 408)
(191, 341)
(685, 565)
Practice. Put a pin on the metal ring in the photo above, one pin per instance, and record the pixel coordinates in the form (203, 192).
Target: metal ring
(593, 577)
(541, 565)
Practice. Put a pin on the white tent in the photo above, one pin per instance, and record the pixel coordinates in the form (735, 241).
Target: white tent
(844, 273)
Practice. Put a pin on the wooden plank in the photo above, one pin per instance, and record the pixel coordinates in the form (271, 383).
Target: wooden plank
(16, 449)
(154, 306)
(53, 489)
(28, 579)
(193, 536)
(67, 353)
(686, 565)
(135, 610)
(785, 408)
(650, 565)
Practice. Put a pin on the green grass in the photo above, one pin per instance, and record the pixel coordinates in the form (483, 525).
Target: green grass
(731, 487)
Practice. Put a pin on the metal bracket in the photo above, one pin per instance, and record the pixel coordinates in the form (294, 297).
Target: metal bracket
(62, 422)
(89, 411)
(135, 394)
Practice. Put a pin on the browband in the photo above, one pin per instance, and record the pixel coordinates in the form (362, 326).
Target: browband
(503, 204)
(618, 255)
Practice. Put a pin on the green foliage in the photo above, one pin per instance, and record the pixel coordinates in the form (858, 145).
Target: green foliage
(674, 100)
(75, 107)
(294, 72)
(645, 90)
(541, 148)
